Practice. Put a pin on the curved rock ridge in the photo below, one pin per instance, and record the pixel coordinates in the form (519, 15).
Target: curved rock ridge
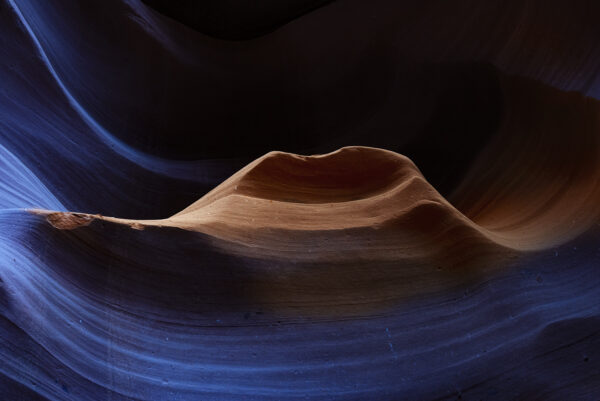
(350, 173)
(365, 201)
(360, 198)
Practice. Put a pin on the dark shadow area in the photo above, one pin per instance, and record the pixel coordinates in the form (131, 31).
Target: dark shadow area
(235, 19)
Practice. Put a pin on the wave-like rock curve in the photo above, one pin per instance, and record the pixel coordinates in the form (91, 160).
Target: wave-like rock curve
(344, 275)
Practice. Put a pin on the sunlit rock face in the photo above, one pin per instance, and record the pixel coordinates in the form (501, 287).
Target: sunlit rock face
(337, 200)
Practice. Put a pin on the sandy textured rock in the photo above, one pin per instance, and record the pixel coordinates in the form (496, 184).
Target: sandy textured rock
(163, 236)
